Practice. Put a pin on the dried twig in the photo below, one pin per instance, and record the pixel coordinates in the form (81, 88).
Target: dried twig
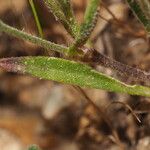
(127, 106)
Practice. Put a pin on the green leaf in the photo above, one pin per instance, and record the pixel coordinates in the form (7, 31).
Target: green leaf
(57, 8)
(66, 6)
(141, 8)
(90, 20)
(69, 72)
(33, 147)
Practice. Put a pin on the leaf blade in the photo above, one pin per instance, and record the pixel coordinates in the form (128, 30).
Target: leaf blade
(55, 7)
(67, 8)
(69, 72)
(90, 20)
(141, 10)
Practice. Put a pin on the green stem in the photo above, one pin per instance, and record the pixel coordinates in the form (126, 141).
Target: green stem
(36, 18)
(33, 39)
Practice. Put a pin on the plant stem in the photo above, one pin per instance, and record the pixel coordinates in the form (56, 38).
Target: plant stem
(33, 39)
(36, 18)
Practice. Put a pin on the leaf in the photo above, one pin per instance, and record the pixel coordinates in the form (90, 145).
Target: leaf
(90, 20)
(33, 147)
(66, 6)
(57, 9)
(141, 8)
(69, 72)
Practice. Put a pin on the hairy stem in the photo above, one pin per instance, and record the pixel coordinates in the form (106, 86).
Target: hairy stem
(33, 39)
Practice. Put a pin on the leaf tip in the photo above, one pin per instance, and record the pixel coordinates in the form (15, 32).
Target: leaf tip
(12, 64)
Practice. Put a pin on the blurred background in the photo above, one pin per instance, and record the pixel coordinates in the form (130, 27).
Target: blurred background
(57, 116)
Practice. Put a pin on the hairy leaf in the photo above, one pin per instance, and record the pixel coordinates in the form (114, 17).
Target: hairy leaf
(66, 6)
(57, 9)
(69, 72)
(141, 8)
(90, 19)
